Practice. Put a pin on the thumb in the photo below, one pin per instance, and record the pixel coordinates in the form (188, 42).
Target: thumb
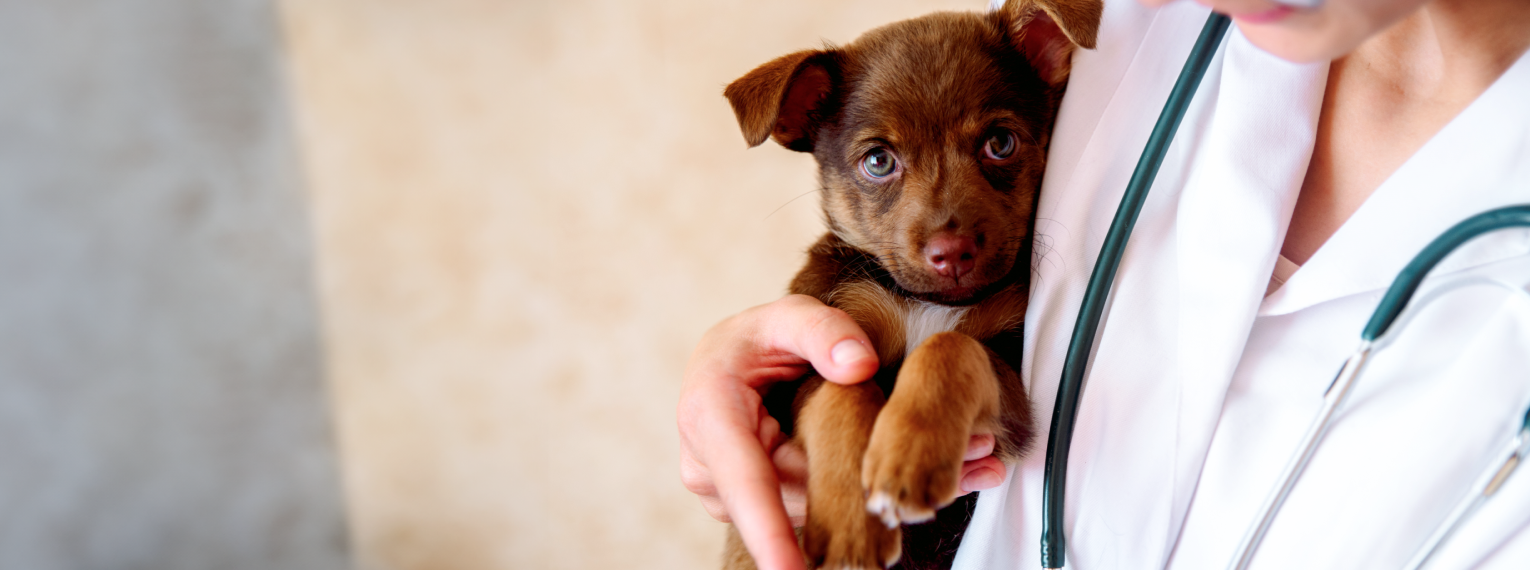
(824, 336)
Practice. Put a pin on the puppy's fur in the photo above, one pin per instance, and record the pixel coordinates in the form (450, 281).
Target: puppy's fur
(930, 136)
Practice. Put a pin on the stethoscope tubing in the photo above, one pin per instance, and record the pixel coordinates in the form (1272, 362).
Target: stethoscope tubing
(1407, 282)
(1487, 484)
(1337, 392)
(1505, 462)
(1391, 306)
(1064, 412)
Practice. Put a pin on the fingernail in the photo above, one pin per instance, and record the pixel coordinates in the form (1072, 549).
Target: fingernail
(848, 351)
(978, 447)
(981, 480)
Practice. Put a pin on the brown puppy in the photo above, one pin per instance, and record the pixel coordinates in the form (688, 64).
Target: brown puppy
(930, 136)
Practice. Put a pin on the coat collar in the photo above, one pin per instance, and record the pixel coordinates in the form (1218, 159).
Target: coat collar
(1421, 200)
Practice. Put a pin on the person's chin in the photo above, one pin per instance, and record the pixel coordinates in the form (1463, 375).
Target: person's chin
(1295, 42)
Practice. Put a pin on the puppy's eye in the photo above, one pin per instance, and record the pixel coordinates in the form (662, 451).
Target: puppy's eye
(1000, 146)
(879, 163)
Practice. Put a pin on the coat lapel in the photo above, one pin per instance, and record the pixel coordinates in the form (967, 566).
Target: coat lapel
(1232, 217)
(1184, 302)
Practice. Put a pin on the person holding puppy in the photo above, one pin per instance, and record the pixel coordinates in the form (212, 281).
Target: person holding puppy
(1325, 147)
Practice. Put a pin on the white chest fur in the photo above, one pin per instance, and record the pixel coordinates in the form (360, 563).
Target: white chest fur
(923, 320)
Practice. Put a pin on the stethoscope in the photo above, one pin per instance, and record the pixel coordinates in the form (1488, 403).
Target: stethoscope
(1064, 412)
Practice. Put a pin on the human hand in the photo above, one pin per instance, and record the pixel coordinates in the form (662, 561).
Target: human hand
(732, 453)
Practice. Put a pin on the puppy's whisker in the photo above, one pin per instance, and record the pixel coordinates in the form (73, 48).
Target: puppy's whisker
(788, 203)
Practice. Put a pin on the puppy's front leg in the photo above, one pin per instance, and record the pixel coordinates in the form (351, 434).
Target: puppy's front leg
(946, 389)
(835, 424)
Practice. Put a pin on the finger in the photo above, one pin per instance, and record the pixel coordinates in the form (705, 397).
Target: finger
(695, 476)
(716, 509)
(982, 474)
(791, 469)
(980, 445)
(770, 431)
(824, 336)
(748, 487)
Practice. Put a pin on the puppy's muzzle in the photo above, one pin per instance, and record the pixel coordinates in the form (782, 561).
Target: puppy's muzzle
(951, 255)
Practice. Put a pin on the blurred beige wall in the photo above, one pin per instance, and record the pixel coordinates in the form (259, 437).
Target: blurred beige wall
(527, 213)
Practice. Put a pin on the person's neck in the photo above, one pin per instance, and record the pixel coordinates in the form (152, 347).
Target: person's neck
(1449, 50)
(1390, 96)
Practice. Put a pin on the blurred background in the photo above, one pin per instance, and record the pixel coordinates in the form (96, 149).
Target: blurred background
(377, 284)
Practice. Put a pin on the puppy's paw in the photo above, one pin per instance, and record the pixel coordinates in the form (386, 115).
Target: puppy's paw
(910, 472)
(862, 544)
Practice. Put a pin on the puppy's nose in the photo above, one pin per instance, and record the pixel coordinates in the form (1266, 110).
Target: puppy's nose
(951, 255)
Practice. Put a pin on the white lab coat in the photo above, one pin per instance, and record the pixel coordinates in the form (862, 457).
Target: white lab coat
(1201, 386)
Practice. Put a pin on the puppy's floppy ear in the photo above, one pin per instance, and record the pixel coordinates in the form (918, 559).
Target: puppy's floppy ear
(1047, 31)
(782, 99)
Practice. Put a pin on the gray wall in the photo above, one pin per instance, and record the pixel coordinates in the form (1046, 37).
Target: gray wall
(161, 395)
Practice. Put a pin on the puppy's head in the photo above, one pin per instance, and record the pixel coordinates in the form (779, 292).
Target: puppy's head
(930, 135)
